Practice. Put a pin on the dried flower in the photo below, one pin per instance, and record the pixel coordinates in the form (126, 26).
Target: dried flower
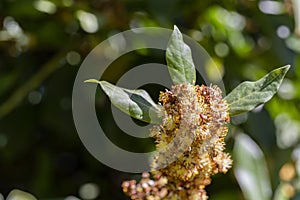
(190, 145)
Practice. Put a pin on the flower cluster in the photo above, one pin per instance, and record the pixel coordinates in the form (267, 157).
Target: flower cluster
(147, 188)
(189, 142)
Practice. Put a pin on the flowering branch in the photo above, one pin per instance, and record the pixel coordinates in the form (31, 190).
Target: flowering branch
(192, 126)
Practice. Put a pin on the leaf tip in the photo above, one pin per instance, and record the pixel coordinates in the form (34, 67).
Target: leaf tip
(175, 28)
(284, 69)
(176, 32)
(287, 67)
(91, 81)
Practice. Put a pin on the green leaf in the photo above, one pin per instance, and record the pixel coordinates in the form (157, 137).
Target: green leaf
(248, 95)
(136, 103)
(250, 169)
(20, 195)
(179, 59)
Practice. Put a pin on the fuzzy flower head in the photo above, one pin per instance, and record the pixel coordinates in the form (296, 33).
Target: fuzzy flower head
(190, 141)
(193, 130)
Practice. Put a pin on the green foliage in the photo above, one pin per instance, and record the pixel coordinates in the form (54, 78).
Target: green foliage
(20, 195)
(136, 103)
(246, 96)
(179, 60)
(251, 169)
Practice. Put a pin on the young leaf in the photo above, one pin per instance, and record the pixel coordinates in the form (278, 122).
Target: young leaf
(250, 169)
(136, 103)
(179, 59)
(249, 95)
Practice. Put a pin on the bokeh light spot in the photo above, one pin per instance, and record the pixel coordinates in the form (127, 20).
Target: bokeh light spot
(73, 58)
(68, 3)
(221, 49)
(196, 35)
(287, 131)
(34, 97)
(271, 7)
(283, 32)
(71, 198)
(287, 89)
(88, 21)
(45, 6)
(89, 191)
(287, 172)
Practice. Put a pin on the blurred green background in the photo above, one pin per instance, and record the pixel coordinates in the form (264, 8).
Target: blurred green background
(43, 42)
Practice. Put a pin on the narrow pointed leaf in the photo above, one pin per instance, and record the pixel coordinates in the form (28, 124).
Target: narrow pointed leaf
(248, 95)
(136, 103)
(179, 59)
(250, 169)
